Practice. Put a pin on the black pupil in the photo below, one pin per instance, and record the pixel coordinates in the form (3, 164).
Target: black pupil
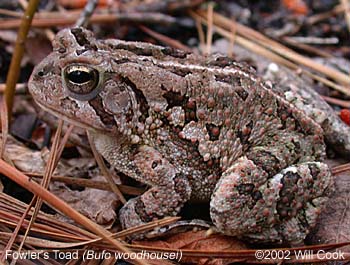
(79, 77)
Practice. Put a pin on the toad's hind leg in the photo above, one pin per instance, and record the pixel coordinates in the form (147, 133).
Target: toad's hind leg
(247, 203)
(169, 191)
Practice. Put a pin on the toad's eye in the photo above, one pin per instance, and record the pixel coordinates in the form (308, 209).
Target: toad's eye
(82, 81)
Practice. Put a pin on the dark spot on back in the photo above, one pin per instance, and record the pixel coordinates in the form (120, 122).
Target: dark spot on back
(188, 105)
(287, 117)
(154, 164)
(266, 160)
(256, 195)
(151, 50)
(221, 61)
(80, 36)
(229, 79)
(190, 109)
(213, 131)
(133, 48)
(245, 189)
(244, 133)
(174, 99)
(283, 113)
(287, 195)
(121, 61)
(236, 82)
(303, 221)
(299, 127)
(241, 92)
(224, 61)
(81, 51)
(174, 52)
(297, 146)
(314, 171)
(181, 71)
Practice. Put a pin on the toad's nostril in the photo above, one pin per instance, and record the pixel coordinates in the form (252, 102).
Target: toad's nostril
(41, 73)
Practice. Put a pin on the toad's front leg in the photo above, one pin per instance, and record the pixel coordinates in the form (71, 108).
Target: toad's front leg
(170, 190)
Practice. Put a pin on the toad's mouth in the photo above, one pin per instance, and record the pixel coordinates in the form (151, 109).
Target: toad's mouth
(83, 125)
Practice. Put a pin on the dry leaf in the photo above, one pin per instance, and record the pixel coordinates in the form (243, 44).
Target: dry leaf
(200, 241)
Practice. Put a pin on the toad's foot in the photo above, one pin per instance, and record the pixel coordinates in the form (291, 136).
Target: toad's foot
(168, 194)
(247, 203)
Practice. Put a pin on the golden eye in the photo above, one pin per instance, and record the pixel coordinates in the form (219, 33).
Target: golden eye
(81, 81)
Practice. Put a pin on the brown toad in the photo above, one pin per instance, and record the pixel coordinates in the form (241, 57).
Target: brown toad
(194, 129)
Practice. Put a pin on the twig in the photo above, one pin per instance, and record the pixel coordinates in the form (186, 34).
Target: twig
(146, 226)
(15, 65)
(4, 125)
(201, 35)
(57, 19)
(87, 13)
(23, 3)
(264, 51)
(345, 4)
(20, 88)
(209, 28)
(11, 209)
(306, 47)
(284, 51)
(232, 41)
(48, 32)
(60, 205)
(69, 4)
(340, 169)
(49, 119)
(337, 101)
(10, 13)
(165, 39)
(88, 183)
(314, 40)
(175, 5)
(50, 167)
(15, 232)
(342, 219)
(322, 16)
(280, 52)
